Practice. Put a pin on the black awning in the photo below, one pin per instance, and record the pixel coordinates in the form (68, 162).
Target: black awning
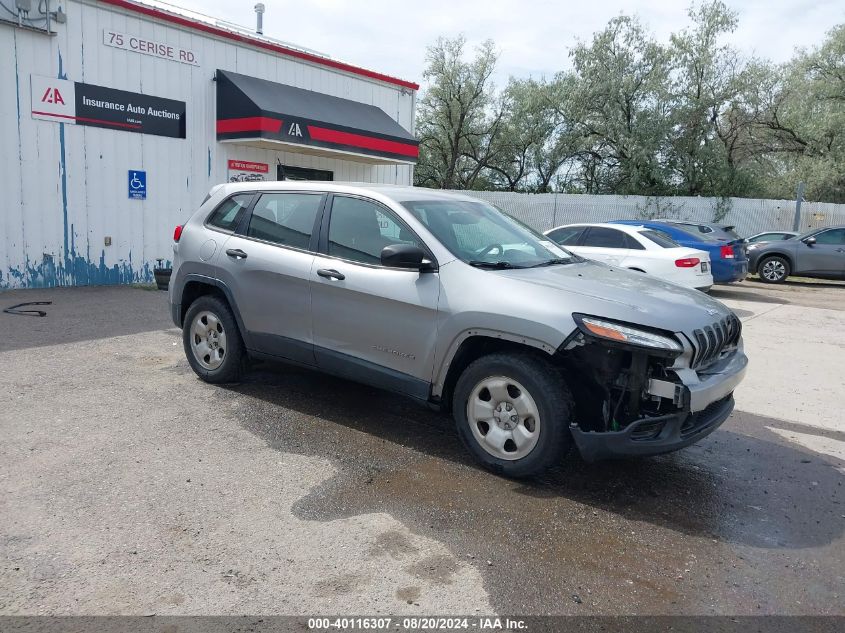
(251, 109)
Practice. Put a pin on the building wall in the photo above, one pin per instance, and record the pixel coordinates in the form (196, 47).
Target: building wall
(64, 187)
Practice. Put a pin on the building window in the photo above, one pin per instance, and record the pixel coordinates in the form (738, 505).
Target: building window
(283, 172)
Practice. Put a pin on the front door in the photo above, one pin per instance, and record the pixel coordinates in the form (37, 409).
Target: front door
(372, 323)
(267, 265)
(826, 256)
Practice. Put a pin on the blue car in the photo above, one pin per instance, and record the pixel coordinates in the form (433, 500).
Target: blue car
(728, 259)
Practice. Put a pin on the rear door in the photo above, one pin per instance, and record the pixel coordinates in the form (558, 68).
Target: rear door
(372, 323)
(826, 256)
(604, 244)
(266, 264)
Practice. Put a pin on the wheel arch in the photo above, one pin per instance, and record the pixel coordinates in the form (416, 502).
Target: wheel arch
(472, 345)
(196, 286)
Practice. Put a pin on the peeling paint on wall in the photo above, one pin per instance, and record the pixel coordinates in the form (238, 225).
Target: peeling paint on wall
(67, 193)
(73, 268)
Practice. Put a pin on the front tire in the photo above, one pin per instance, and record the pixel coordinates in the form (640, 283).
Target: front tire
(212, 341)
(513, 412)
(773, 270)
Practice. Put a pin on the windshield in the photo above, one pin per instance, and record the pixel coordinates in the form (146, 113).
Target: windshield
(481, 235)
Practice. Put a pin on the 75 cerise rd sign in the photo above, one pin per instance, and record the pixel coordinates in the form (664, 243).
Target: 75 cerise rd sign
(146, 46)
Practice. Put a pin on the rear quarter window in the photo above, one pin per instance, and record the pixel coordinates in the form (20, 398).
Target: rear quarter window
(229, 213)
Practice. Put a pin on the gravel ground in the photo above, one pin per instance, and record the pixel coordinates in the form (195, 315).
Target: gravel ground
(130, 487)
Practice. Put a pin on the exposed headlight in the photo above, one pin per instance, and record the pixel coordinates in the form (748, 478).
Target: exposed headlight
(626, 334)
(752, 247)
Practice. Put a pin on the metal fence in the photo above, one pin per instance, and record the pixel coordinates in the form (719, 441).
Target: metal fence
(544, 211)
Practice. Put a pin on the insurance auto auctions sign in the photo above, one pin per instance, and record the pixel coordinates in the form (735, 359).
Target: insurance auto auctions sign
(67, 101)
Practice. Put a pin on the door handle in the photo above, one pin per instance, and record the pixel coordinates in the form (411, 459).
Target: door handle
(236, 253)
(331, 273)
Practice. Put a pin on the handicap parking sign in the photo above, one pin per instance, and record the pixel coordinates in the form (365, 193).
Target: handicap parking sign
(137, 184)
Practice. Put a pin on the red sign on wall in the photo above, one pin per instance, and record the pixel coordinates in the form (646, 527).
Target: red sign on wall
(244, 165)
(247, 171)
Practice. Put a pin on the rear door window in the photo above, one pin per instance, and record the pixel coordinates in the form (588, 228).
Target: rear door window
(601, 237)
(286, 219)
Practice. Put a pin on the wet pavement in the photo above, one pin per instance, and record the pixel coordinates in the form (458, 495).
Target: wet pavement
(748, 521)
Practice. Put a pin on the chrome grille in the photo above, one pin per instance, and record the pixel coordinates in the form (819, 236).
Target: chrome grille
(709, 342)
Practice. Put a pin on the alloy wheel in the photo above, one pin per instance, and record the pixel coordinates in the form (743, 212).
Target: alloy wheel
(773, 270)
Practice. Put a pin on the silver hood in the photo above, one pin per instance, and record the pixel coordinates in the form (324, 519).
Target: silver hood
(594, 288)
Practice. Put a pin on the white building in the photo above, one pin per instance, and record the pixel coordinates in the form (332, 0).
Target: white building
(117, 117)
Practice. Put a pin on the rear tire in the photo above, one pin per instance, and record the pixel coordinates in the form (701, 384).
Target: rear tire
(513, 413)
(212, 341)
(773, 270)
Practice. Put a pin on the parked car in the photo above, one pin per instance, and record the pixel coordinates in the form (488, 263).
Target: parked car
(819, 253)
(771, 236)
(728, 260)
(637, 248)
(532, 348)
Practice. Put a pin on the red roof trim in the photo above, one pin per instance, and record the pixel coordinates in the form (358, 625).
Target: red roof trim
(364, 142)
(249, 124)
(276, 48)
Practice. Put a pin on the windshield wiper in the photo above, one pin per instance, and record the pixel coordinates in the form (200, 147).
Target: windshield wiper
(555, 261)
(492, 265)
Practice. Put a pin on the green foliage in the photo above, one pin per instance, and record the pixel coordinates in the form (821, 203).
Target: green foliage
(635, 116)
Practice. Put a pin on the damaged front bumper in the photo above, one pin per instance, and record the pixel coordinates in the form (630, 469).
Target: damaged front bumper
(704, 400)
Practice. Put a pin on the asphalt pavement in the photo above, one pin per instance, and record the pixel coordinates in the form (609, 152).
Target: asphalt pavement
(131, 487)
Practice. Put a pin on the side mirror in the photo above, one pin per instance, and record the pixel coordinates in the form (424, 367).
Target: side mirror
(405, 256)
(810, 240)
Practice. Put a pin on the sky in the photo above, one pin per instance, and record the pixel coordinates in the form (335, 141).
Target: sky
(533, 36)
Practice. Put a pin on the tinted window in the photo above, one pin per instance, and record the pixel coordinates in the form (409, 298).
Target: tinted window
(568, 235)
(770, 237)
(632, 243)
(601, 237)
(359, 230)
(692, 231)
(285, 218)
(660, 238)
(834, 236)
(230, 212)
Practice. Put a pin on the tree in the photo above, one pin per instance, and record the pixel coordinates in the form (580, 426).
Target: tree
(633, 116)
(457, 119)
(619, 103)
(707, 82)
(802, 123)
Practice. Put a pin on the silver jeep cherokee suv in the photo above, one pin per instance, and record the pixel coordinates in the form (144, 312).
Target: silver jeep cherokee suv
(446, 299)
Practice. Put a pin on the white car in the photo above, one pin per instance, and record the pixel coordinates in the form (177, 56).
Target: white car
(637, 248)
